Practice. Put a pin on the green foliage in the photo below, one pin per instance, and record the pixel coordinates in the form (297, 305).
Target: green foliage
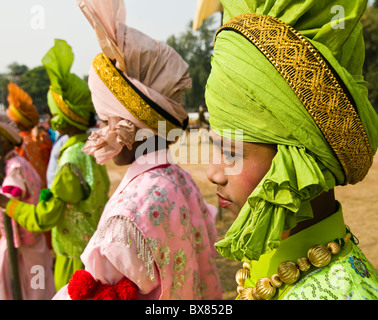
(15, 72)
(196, 48)
(36, 83)
(370, 27)
(3, 89)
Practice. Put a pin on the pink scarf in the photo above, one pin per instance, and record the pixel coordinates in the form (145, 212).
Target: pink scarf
(107, 142)
(153, 67)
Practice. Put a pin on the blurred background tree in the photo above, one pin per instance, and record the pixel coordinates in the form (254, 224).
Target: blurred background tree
(370, 25)
(34, 81)
(14, 74)
(196, 48)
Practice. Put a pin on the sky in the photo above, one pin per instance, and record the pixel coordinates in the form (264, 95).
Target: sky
(25, 36)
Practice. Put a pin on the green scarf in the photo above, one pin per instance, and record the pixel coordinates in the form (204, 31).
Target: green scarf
(244, 91)
(75, 91)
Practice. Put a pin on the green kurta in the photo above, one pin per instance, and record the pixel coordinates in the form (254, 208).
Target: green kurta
(246, 91)
(70, 209)
(349, 275)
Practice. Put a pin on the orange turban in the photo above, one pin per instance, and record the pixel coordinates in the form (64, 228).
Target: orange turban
(21, 108)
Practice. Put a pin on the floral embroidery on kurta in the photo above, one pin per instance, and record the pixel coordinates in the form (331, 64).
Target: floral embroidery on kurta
(176, 226)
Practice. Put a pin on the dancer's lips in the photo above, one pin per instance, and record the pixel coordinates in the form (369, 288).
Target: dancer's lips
(223, 202)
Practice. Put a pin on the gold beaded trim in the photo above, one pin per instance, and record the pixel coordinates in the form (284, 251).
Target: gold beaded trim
(64, 107)
(316, 85)
(287, 272)
(126, 95)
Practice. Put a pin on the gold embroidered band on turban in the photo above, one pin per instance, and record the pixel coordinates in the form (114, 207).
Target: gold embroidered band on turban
(65, 108)
(316, 85)
(139, 105)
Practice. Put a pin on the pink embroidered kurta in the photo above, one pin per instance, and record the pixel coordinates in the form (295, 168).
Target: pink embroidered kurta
(34, 259)
(157, 231)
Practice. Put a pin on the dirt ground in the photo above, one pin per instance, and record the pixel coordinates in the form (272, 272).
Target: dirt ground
(358, 201)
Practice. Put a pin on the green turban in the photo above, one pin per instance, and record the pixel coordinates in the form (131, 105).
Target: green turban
(245, 91)
(69, 97)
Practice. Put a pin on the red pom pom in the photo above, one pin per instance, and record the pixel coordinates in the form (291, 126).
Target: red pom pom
(105, 292)
(82, 285)
(126, 289)
(14, 191)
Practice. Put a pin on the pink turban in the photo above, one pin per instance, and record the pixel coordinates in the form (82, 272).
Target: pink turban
(135, 83)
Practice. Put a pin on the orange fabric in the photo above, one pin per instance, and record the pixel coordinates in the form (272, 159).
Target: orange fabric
(29, 150)
(44, 143)
(24, 111)
(11, 206)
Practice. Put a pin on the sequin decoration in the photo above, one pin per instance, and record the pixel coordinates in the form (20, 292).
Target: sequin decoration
(359, 266)
(124, 233)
